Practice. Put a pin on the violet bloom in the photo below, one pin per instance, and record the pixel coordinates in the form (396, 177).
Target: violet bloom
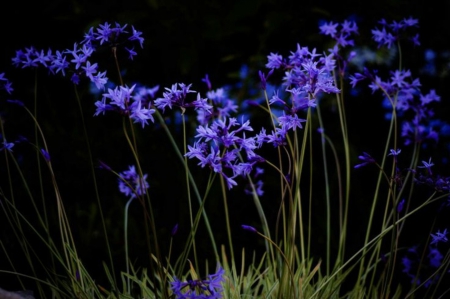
(5, 84)
(113, 36)
(222, 106)
(131, 183)
(209, 288)
(343, 35)
(366, 158)
(177, 96)
(121, 99)
(394, 152)
(257, 187)
(249, 228)
(7, 146)
(46, 155)
(141, 114)
(400, 206)
(207, 82)
(413, 106)
(392, 32)
(439, 237)
(219, 145)
(77, 59)
(427, 165)
(307, 76)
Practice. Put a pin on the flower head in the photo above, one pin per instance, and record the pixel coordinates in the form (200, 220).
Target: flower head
(131, 183)
(427, 165)
(210, 288)
(439, 237)
(366, 158)
(392, 32)
(249, 228)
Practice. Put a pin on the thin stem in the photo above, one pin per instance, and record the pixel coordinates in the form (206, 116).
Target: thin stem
(127, 259)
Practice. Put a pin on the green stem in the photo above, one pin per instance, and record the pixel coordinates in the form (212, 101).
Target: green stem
(127, 259)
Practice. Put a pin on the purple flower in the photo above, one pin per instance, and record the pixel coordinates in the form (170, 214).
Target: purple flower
(258, 187)
(218, 146)
(7, 146)
(392, 32)
(103, 33)
(174, 96)
(59, 63)
(366, 158)
(400, 206)
(275, 61)
(90, 70)
(78, 59)
(289, 122)
(202, 104)
(207, 82)
(106, 34)
(307, 75)
(430, 97)
(5, 84)
(141, 114)
(435, 257)
(249, 228)
(210, 288)
(45, 154)
(43, 58)
(427, 165)
(75, 78)
(174, 230)
(277, 137)
(221, 107)
(100, 80)
(329, 29)
(394, 152)
(131, 183)
(264, 78)
(136, 35)
(102, 107)
(131, 53)
(439, 237)
(120, 97)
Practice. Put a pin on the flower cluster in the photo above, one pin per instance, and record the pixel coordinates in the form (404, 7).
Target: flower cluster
(122, 100)
(113, 37)
(343, 38)
(307, 76)
(176, 96)
(5, 84)
(220, 145)
(422, 271)
(411, 261)
(403, 93)
(76, 60)
(390, 33)
(131, 183)
(210, 288)
(437, 182)
(222, 106)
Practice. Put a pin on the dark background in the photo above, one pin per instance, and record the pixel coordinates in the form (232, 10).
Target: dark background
(184, 40)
